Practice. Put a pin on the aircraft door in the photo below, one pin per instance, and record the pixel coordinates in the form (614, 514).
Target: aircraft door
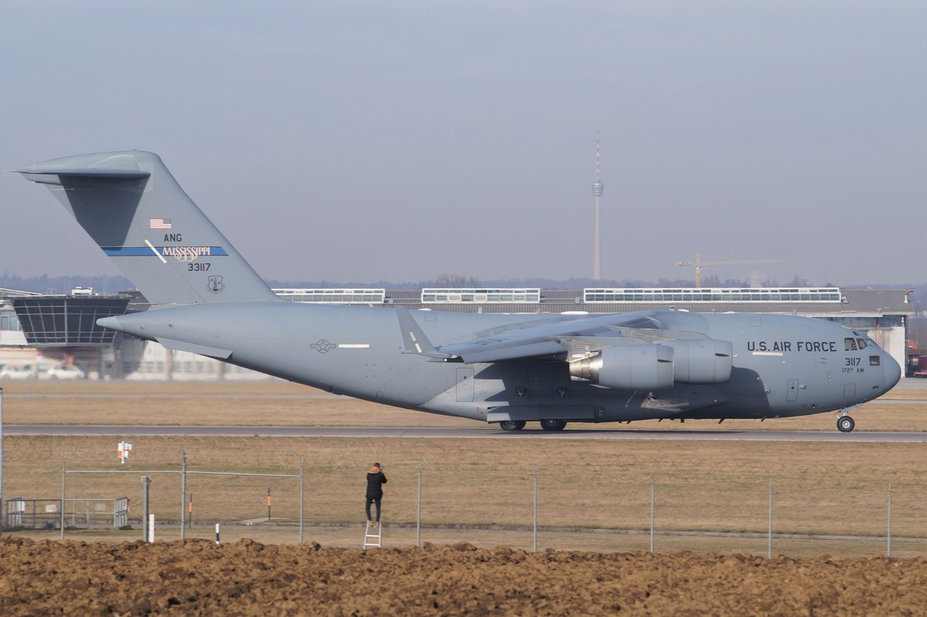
(849, 391)
(465, 386)
(791, 392)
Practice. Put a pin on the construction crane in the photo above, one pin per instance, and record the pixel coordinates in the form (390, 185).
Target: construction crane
(698, 263)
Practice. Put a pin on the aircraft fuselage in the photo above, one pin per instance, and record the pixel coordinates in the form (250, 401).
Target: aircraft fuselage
(781, 365)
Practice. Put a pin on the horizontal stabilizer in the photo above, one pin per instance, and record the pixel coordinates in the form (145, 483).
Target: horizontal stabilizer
(56, 176)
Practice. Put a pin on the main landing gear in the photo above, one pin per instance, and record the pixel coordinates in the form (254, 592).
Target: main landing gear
(845, 424)
(553, 425)
(547, 425)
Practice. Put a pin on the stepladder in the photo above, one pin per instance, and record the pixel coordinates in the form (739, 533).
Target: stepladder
(373, 536)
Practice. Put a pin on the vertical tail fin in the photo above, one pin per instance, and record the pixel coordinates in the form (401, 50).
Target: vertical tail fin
(136, 212)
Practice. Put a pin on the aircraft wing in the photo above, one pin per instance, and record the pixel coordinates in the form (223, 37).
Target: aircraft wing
(559, 336)
(642, 350)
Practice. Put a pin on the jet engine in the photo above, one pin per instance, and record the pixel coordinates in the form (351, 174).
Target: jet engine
(657, 366)
(628, 367)
(701, 361)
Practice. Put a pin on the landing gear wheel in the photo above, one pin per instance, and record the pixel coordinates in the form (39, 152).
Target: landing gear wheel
(512, 425)
(845, 424)
(553, 425)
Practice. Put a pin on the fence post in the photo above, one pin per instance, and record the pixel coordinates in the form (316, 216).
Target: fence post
(652, 507)
(418, 508)
(64, 474)
(146, 482)
(769, 541)
(1, 461)
(535, 508)
(889, 549)
(301, 497)
(183, 496)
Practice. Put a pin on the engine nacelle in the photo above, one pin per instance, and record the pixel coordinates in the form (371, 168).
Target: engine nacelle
(702, 361)
(628, 367)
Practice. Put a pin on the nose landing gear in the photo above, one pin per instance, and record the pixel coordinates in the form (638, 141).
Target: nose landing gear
(845, 424)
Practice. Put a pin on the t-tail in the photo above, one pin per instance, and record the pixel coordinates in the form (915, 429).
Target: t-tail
(136, 212)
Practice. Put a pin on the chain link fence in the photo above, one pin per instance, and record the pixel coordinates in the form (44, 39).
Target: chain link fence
(596, 506)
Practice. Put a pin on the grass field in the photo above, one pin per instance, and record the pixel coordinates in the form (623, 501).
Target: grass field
(477, 490)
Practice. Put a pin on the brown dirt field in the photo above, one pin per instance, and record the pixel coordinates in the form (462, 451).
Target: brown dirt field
(197, 577)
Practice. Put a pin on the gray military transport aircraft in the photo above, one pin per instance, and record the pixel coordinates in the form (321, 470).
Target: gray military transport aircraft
(503, 368)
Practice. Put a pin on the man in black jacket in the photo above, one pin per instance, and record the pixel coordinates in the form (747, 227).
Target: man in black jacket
(375, 481)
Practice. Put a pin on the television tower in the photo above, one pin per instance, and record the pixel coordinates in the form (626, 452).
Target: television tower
(598, 187)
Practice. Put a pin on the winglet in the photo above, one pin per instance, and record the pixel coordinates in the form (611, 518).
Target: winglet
(414, 338)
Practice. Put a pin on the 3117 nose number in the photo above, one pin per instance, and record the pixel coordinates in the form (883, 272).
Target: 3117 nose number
(851, 365)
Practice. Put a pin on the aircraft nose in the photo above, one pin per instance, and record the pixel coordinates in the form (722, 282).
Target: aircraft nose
(892, 371)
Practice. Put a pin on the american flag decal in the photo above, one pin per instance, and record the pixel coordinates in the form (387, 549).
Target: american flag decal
(159, 223)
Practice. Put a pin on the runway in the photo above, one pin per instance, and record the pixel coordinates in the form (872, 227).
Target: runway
(477, 432)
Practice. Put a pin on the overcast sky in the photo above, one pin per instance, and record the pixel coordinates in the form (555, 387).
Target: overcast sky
(365, 141)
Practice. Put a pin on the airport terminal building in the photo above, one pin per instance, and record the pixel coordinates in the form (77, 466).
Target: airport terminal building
(39, 332)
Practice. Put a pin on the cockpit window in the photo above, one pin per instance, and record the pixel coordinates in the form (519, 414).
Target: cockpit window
(849, 344)
(861, 343)
(873, 360)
